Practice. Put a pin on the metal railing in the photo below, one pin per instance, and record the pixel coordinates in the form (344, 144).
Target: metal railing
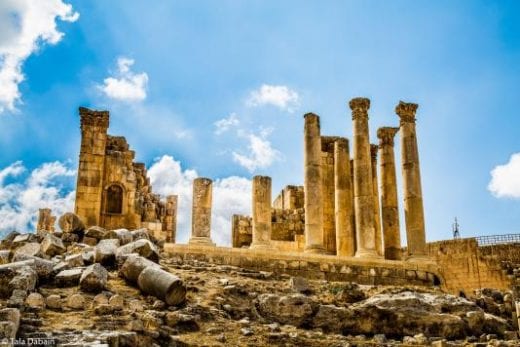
(490, 240)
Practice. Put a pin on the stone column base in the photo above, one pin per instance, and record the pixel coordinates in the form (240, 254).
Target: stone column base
(368, 253)
(202, 241)
(315, 249)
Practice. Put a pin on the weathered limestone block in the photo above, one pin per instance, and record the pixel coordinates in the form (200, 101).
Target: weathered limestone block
(133, 266)
(71, 223)
(144, 248)
(94, 278)
(35, 300)
(105, 251)
(295, 309)
(76, 302)
(123, 235)
(412, 190)
(201, 212)
(313, 185)
(163, 285)
(363, 191)
(96, 232)
(261, 212)
(69, 278)
(31, 249)
(51, 246)
(9, 323)
(345, 228)
(389, 200)
(140, 234)
(4, 256)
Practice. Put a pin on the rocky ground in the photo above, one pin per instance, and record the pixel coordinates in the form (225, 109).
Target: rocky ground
(72, 289)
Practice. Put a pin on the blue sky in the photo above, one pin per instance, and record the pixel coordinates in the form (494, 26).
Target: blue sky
(205, 61)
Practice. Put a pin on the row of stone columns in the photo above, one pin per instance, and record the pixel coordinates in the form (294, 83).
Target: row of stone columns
(365, 223)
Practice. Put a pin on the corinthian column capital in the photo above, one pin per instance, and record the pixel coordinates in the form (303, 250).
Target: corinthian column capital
(359, 107)
(386, 135)
(406, 111)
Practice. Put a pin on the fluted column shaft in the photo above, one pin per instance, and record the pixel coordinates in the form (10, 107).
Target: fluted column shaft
(389, 201)
(375, 189)
(363, 191)
(312, 185)
(261, 196)
(345, 230)
(413, 201)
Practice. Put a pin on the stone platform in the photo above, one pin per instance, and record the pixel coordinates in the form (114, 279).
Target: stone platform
(313, 266)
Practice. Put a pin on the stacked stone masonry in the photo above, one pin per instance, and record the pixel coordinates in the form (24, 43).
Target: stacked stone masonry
(112, 190)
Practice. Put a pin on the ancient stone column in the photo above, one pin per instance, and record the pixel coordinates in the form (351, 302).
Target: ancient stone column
(345, 231)
(375, 189)
(312, 183)
(46, 220)
(170, 218)
(363, 192)
(413, 202)
(201, 212)
(389, 203)
(261, 212)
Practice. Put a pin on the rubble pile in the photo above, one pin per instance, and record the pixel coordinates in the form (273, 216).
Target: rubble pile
(96, 287)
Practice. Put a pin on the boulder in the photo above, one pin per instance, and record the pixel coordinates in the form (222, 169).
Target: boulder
(295, 309)
(54, 302)
(35, 300)
(94, 278)
(43, 267)
(96, 232)
(30, 249)
(105, 251)
(331, 319)
(69, 238)
(117, 302)
(25, 279)
(143, 247)
(9, 323)
(74, 260)
(69, 278)
(51, 246)
(23, 238)
(140, 234)
(71, 223)
(123, 235)
(11, 236)
(76, 302)
(350, 293)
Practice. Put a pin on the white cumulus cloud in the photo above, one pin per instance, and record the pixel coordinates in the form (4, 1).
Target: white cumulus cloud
(505, 179)
(261, 153)
(231, 195)
(126, 85)
(25, 25)
(43, 187)
(224, 124)
(279, 96)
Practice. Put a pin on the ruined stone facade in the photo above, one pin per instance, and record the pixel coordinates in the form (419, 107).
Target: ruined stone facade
(112, 190)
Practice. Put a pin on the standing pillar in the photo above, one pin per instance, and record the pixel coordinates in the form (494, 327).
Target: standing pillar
(312, 185)
(389, 202)
(413, 202)
(363, 191)
(261, 212)
(345, 234)
(170, 218)
(375, 189)
(201, 212)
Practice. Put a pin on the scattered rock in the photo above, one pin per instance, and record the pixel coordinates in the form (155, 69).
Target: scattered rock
(69, 278)
(95, 232)
(76, 301)
(295, 309)
(105, 252)
(70, 223)
(35, 300)
(94, 278)
(9, 323)
(51, 246)
(143, 247)
(140, 234)
(53, 301)
(28, 250)
(117, 301)
(133, 266)
(162, 285)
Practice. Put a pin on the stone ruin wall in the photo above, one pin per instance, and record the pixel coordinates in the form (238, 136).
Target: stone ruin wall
(113, 191)
(466, 266)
